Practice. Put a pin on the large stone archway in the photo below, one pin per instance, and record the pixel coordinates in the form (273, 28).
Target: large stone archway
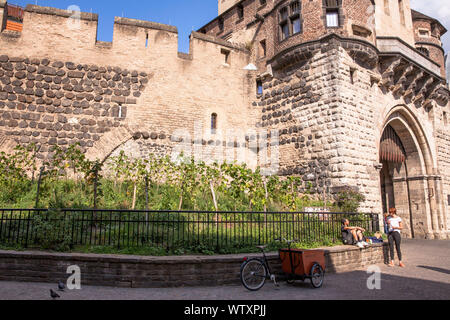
(409, 179)
(109, 142)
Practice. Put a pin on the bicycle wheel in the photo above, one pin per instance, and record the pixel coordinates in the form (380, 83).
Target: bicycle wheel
(253, 274)
(317, 276)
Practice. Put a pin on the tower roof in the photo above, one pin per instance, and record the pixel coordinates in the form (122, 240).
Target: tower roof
(416, 15)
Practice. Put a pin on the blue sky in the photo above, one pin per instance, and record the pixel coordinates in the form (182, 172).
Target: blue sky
(184, 14)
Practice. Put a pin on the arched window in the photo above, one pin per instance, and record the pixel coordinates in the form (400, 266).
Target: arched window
(213, 123)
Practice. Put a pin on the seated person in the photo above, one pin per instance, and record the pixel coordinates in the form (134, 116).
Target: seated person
(352, 235)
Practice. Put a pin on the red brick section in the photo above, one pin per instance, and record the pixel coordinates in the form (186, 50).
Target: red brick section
(313, 23)
(148, 272)
(432, 43)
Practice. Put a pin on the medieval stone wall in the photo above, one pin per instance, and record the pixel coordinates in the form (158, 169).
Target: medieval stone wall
(443, 143)
(59, 85)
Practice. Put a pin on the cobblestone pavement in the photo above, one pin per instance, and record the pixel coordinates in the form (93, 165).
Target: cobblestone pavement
(426, 276)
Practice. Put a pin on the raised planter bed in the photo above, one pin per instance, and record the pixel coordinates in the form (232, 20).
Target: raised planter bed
(142, 271)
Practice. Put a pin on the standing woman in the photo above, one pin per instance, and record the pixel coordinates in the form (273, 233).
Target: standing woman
(395, 228)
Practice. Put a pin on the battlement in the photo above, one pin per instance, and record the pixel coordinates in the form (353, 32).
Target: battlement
(74, 34)
(145, 24)
(31, 8)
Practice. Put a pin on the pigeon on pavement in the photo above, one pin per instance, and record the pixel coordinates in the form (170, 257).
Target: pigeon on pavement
(53, 294)
(61, 286)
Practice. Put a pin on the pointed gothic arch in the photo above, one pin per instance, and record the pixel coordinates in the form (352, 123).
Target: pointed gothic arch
(409, 178)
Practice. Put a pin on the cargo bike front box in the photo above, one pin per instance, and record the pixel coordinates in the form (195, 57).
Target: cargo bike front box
(303, 264)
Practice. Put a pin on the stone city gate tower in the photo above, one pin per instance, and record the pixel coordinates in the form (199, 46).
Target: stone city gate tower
(354, 91)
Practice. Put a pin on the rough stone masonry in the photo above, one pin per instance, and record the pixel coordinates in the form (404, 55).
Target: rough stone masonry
(343, 93)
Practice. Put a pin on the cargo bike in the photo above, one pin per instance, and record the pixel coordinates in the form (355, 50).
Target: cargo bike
(296, 264)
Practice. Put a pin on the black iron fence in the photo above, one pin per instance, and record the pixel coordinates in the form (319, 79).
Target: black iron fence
(172, 229)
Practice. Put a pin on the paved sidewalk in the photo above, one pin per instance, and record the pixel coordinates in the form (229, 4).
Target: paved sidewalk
(426, 276)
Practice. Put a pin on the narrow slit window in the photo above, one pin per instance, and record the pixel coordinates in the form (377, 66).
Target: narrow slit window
(226, 56)
(259, 87)
(220, 24)
(262, 48)
(240, 12)
(213, 123)
(444, 115)
(146, 40)
(352, 75)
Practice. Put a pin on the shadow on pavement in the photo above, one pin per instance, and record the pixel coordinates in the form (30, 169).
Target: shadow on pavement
(446, 271)
(354, 286)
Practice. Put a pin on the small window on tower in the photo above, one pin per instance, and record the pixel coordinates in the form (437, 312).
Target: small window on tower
(259, 87)
(424, 33)
(262, 49)
(240, 11)
(333, 18)
(226, 55)
(331, 13)
(352, 75)
(424, 51)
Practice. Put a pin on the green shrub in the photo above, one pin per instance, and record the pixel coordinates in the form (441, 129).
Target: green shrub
(51, 230)
(349, 200)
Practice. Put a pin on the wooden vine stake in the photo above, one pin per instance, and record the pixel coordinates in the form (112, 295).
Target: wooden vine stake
(267, 200)
(146, 198)
(214, 199)
(39, 186)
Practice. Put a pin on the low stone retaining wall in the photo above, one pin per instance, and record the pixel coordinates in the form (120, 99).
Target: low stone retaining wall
(148, 272)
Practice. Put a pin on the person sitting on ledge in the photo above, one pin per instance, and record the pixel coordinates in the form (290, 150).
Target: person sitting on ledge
(353, 235)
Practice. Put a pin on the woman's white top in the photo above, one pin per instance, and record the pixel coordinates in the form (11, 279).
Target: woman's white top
(394, 223)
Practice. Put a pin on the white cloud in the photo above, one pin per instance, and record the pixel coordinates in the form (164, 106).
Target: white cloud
(438, 9)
